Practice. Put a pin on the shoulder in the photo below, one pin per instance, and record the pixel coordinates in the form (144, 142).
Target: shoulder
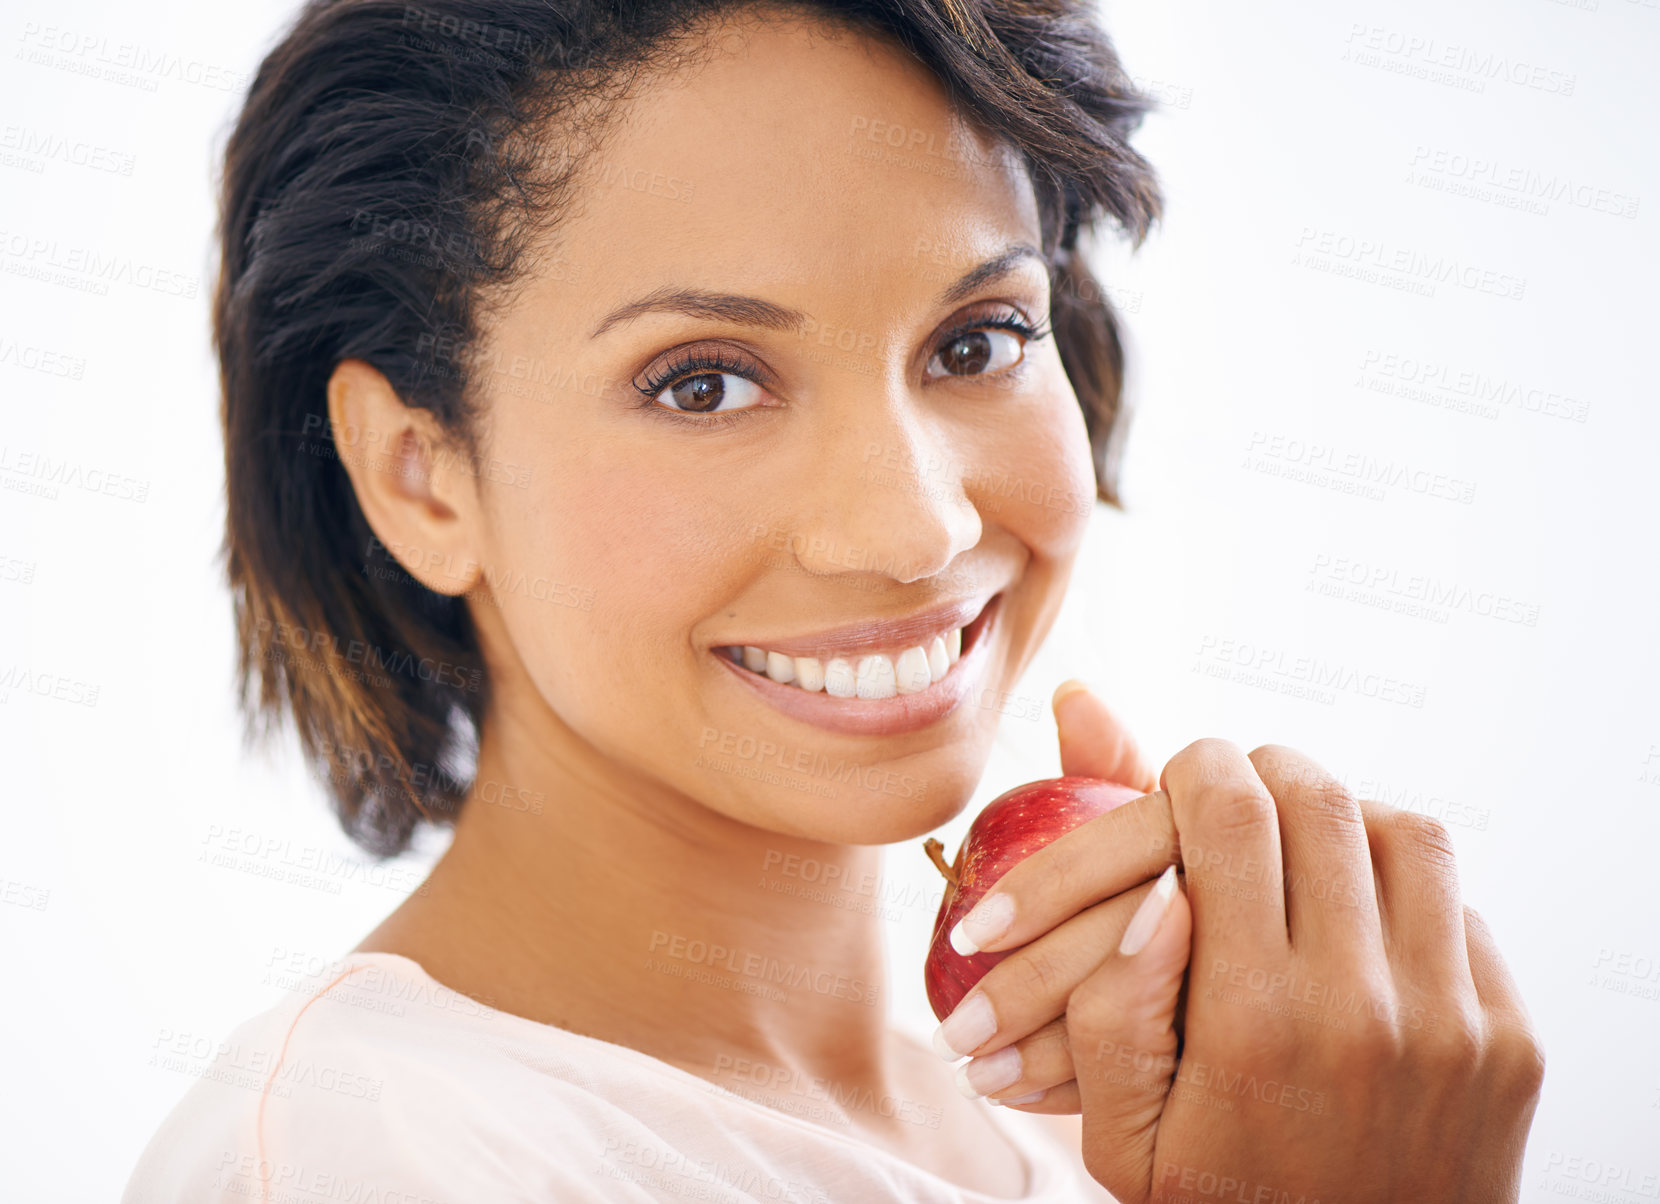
(372, 1083)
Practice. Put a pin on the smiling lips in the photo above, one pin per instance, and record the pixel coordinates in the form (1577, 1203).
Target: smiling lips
(881, 678)
(872, 675)
(873, 660)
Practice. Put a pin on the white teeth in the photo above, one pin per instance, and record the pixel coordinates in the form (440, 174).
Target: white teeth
(809, 673)
(871, 676)
(911, 672)
(839, 678)
(939, 660)
(876, 677)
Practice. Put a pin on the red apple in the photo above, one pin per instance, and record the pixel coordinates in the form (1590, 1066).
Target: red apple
(1013, 826)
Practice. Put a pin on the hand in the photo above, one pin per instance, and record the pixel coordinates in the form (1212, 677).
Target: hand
(1351, 1031)
(1093, 743)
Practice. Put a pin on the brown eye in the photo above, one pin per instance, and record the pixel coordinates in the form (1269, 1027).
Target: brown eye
(707, 392)
(698, 393)
(977, 353)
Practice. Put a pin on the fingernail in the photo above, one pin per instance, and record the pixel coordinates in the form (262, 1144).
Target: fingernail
(969, 1027)
(1145, 923)
(1070, 686)
(1022, 1099)
(982, 1076)
(985, 922)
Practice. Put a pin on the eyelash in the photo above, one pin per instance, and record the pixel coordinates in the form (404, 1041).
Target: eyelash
(703, 363)
(695, 363)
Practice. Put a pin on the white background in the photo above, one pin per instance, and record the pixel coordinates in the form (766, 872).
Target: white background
(1298, 143)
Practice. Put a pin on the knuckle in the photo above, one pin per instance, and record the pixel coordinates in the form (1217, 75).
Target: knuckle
(1371, 1040)
(1236, 809)
(1372, 1050)
(1332, 799)
(1378, 817)
(1277, 759)
(1208, 751)
(1201, 760)
(1426, 837)
(1296, 781)
(1457, 1043)
(1058, 876)
(1520, 1058)
(1039, 972)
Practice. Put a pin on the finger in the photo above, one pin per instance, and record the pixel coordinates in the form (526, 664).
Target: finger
(1121, 1022)
(1495, 985)
(1100, 858)
(1029, 987)
(1511, 1038)
(1095, 743)
(1033, 1063)
(1227, 819)
(1331, 902)
(1060, 1100)
(1423, 915)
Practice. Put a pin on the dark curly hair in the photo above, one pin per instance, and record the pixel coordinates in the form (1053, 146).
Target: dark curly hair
(390, 167)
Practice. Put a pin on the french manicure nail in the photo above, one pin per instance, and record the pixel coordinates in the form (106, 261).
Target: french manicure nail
(969, 1027)
(1145, 923)
(982, 1076)
(985, 922)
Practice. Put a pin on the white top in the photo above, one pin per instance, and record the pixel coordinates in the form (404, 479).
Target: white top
(376, 1084)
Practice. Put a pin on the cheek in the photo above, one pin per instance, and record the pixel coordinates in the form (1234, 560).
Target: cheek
(1040, 486)
(643, 547)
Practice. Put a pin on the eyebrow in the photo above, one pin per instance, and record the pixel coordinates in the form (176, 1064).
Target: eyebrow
(753, 311)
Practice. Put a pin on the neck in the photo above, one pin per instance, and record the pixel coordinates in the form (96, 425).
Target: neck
(612, 906)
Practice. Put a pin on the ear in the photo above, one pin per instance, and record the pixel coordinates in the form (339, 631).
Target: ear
(413, 484)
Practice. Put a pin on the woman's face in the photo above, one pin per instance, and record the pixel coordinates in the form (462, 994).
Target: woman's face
(819, 275)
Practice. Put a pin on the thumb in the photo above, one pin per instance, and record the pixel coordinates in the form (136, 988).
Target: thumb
(1095, 743)
(1121, 1022)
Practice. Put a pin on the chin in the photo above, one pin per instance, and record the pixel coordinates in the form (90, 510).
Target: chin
(875, 801)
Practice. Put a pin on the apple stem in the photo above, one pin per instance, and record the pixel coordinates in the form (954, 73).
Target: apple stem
(936, 853)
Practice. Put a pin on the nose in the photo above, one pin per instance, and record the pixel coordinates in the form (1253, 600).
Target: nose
(884, 493)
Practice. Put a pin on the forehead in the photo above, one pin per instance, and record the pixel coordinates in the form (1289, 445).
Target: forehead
(791, 153)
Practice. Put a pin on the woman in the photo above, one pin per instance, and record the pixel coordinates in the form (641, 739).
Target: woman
(619, 398)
